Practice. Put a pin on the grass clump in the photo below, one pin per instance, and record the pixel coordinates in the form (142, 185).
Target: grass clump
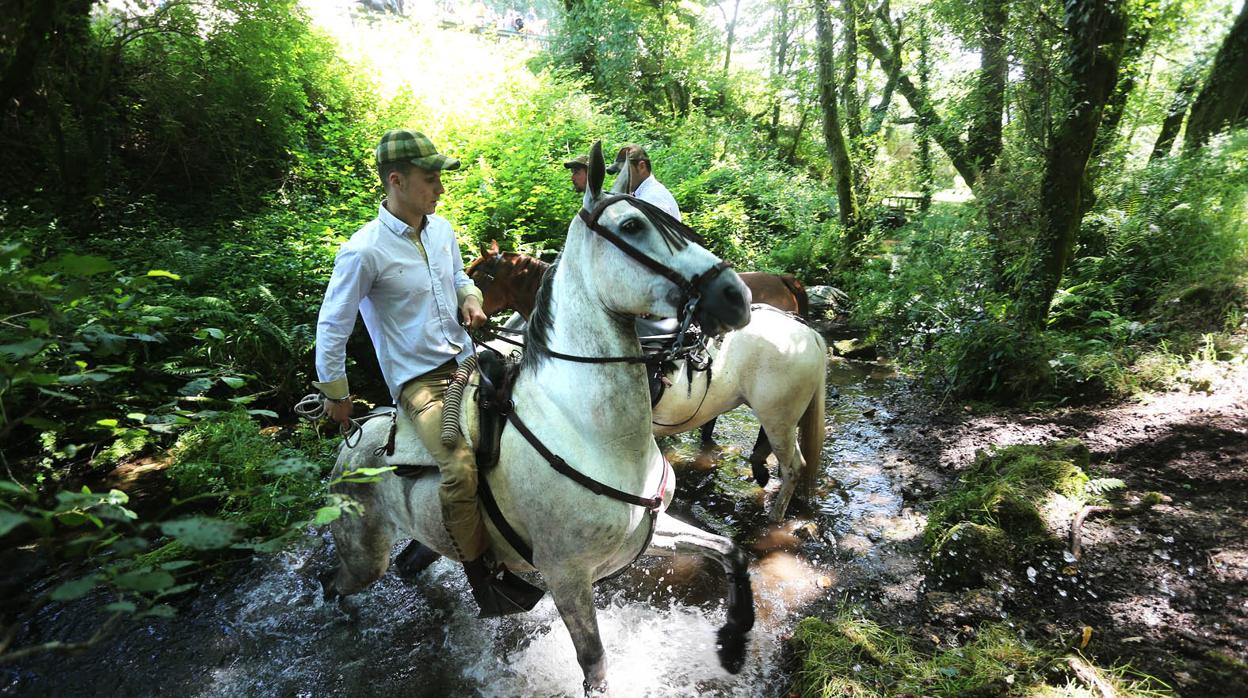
(853, 656)
(1003, 509)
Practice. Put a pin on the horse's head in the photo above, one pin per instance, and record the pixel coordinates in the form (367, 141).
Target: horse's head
(644, 262)
(507, 280)
(491, 273)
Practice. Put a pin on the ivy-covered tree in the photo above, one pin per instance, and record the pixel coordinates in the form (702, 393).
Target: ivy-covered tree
(1223, 101)
(1096, 32)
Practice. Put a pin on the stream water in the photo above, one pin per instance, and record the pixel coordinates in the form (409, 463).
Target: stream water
(264, 631)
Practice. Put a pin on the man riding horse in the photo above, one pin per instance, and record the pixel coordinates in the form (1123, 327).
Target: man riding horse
(404, 274)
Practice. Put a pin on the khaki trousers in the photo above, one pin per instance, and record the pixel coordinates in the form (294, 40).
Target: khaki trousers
(421, 399)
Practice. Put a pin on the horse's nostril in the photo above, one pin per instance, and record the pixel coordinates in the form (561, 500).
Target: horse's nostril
(733, 295)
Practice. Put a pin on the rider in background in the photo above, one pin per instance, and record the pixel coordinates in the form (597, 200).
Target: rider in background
(579, 166)
(644, 184)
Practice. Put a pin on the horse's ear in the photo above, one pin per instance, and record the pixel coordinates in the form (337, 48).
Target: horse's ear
(596, 174)
(493, 249)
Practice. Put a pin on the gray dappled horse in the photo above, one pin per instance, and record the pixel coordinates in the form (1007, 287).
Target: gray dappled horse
(619, 262)
(776, 364)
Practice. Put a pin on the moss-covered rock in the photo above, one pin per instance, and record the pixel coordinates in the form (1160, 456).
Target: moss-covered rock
(967, 552)
(1000, 510)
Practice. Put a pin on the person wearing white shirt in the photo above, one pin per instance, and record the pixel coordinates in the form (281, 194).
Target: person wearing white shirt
(645, 185)
(403, 273)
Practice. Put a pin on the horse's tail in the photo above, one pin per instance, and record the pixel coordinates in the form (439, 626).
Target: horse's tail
(810, 430)
(799, 293)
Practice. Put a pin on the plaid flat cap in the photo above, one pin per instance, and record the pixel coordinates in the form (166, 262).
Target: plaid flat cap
(578, 161)
(401, 145)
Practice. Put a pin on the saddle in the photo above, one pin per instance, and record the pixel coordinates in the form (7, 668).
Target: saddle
(657, 338)
(484, 380)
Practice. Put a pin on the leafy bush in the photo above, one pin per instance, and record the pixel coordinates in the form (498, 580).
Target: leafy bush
(192, 102)
(258, 483)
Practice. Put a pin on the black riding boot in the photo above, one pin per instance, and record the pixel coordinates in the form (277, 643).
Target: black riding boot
(499, 593)
(413, 560)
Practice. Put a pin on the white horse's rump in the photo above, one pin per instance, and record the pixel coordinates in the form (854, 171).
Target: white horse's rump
(776, 365)
(596, 416)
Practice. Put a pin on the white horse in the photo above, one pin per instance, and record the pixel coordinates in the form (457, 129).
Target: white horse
(620, 261)
(776, 364)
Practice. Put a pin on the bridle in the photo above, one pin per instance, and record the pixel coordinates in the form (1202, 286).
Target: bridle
(692, 289)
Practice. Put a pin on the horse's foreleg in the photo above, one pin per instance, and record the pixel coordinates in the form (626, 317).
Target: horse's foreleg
(363, 544)
(758, 458)
(708, 434)
(673, 537)
(574, 597)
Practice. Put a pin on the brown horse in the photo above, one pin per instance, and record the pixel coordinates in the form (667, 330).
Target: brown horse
(509, 281)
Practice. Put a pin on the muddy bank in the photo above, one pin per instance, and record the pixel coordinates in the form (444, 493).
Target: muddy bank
(1164, 589)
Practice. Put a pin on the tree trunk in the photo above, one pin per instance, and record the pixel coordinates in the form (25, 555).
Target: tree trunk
(946, 138)
(983, 144)
(922, 131)
(833, 137)
(732, 30)
(1133, 52)
(1223, 103)
(781, 46)
(1097, 31)
(849, 82)
(1174, 115)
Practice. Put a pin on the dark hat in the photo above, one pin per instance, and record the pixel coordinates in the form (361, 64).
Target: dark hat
(578, 161)
(631, 152)
(402, 145)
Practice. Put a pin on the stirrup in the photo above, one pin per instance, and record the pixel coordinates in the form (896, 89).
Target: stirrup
(505, 594)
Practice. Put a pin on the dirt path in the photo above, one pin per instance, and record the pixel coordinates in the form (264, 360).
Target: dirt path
(1167, 589)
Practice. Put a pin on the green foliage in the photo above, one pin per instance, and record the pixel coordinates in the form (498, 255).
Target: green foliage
(996, 515)
(96, 526)
(1158, 265)
(642, 57)
(259, 484)
(513, 187)
(188, 101)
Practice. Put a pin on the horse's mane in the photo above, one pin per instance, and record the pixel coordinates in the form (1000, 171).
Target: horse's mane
(537, 332)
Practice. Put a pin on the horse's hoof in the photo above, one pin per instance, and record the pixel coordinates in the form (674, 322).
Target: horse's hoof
(731, 649)
(761, 474)
(414, 559)
(328, 591)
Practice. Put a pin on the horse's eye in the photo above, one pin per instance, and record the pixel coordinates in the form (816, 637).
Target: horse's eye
(632, 226)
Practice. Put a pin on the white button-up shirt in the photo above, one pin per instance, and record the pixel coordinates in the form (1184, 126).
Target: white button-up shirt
(409, 299)
(653, 191)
